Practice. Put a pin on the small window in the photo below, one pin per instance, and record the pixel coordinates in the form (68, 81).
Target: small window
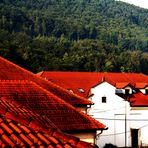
(81, 90)
(127, 91)
(146, 91)
(103, 99)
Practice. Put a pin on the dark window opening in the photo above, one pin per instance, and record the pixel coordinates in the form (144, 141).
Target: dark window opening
(146, 91)
(103, 99)
(127, 91)
(135, 137)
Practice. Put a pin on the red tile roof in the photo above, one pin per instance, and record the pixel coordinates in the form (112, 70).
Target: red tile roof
(139, 100)
(11, 71)
(74, 80)
(18, 128)
(141, 85)
(86, 80)
(37, 99)
(122, 85)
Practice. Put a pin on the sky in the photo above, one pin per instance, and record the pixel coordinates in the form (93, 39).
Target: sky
(140, 3)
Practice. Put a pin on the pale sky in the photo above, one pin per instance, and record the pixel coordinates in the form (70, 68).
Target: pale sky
(140, 3)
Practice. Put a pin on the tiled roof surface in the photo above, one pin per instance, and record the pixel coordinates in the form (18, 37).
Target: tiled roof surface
(141, 85)
(86, 80)
(11, 71)
(35, 98)
(139, 99)
(122, 85)
(18, 128)
(74, 80)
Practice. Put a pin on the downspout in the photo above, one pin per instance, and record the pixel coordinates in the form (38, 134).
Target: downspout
(98, 135)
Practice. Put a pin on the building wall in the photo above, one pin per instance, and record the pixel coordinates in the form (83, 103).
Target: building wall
(86, 136)
(139, 117)
(118, 116)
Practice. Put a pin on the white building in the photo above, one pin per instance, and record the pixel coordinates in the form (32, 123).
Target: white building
(120, 102)
(127, 124)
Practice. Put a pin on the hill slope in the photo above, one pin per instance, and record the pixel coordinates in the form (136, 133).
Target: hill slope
(80, 35)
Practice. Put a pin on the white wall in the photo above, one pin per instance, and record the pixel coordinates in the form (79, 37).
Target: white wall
(139, 117)
(109, 114)
(113, 114)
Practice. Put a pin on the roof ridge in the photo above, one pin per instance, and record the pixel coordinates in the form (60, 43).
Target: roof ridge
(40, 73)
(48, 82)
(113, 82)
(130, 81)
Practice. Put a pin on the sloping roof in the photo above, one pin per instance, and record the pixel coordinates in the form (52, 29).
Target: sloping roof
(35, 98)
(11, 71)
(139, 99)
(19, 128)
(141, 85)
(74, 80)
(122, 85)
(86, 80)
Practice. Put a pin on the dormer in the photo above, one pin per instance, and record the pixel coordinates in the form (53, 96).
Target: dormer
(128, 90)
(123, 88)
(143, 87)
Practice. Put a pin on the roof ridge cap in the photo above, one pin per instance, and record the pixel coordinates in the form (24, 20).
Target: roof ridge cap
(104, 75)
(34, 75)
(40, 73)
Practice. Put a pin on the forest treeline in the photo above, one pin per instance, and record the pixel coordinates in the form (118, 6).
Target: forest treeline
(74, 35)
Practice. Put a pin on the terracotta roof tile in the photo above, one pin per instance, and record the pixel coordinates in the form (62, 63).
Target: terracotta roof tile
(25, 129)
(86, 80)
(67, 146)
(43, 138)
(139, 99)
(122, 85)
(2, 145)
(13, 133)
(53, 140)
(10, 71)
(6, 128)
(7, 140)
(26, 139)
(59, 146)
(141, 85)
(35, 98)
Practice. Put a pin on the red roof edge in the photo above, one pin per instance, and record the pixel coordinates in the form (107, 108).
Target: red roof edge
(49, 82)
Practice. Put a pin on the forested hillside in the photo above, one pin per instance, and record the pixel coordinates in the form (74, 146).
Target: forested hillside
(74, 35)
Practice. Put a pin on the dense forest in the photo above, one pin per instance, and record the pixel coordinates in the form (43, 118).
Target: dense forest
(74, 35)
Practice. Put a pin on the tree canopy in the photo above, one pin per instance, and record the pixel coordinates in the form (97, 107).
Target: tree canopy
(74, 35)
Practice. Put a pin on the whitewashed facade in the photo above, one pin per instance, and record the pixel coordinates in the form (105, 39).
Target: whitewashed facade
(127, 126)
